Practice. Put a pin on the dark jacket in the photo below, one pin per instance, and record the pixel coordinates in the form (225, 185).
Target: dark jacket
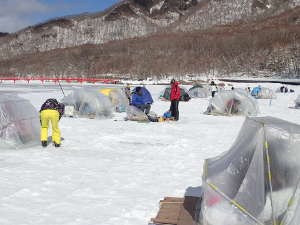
(53, 104)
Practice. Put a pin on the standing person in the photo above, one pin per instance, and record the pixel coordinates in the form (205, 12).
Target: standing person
(175, 97)
(52, 111)
(214, 89)
(128, 92)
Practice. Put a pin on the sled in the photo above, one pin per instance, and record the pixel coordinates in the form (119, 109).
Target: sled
(162, 119)
(149, 120)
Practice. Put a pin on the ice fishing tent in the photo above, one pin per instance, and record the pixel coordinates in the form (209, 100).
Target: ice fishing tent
(19, 122)
(198, 92)
(117, 97)
(297, 102)
(234, 102)
(89, 103)
(257, 180)
(263, 93)
(184, 96)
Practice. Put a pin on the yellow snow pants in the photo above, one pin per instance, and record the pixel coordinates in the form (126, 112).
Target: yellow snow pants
(53, 116)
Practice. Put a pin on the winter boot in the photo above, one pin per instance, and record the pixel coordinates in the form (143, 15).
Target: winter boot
(56, 145)
(44, 144)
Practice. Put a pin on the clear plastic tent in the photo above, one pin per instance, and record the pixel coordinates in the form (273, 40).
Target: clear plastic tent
(117, 97)
(257, 180)
(89, 103)
(297, 102)
(198, 92)
(19, 122)
(233, 102)
(265, 93)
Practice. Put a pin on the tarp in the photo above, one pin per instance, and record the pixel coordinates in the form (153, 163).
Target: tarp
(19, 122)
(135, 114)
(184, 96)
(146, 97)
(263, 93)
(257, 180)
(234, 102)
(117, 97)
(89, 103)
(198, 92)
(255, 91)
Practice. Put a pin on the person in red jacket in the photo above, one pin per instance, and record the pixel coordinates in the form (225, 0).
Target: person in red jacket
(174, 97)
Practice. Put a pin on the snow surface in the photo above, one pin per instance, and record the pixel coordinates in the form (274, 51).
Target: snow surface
(114, 172)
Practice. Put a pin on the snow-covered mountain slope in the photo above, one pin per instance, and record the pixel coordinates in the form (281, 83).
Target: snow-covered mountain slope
(136, 18)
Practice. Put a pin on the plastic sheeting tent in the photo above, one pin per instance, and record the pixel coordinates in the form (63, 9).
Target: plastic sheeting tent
(257, 180)
(235, 102)
(89, 103)
(297, 102)
(198, 92)
(19, 122)
(117, 97)
(263, 93)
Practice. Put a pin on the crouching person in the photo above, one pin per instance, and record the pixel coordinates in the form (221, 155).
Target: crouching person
(142, 99)
(52, 111)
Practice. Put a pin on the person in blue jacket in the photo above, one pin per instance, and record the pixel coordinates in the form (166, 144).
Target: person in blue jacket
(256, 91)
(142, 99)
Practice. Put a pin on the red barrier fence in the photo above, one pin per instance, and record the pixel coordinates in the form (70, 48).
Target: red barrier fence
(68, 80)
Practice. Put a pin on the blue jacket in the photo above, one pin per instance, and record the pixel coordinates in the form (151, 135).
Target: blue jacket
(256, 91)
(145, 98)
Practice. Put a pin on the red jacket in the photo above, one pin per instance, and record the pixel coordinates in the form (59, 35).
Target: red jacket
(175, 91)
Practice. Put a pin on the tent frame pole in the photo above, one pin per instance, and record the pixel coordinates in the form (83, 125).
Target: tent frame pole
(235, 203)
(269, 174)
(291, 203)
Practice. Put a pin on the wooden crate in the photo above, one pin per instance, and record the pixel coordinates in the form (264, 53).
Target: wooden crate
(176, 211)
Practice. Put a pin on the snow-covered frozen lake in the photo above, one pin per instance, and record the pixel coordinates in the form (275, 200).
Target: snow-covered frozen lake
(113, 172)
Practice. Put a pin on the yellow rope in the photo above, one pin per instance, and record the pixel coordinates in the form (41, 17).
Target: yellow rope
(269, 173)
(235, 203)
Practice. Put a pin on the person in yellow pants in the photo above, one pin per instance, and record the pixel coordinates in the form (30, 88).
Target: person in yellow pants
(52, 111)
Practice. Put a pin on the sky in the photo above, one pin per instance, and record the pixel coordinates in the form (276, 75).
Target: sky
(18, 14)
